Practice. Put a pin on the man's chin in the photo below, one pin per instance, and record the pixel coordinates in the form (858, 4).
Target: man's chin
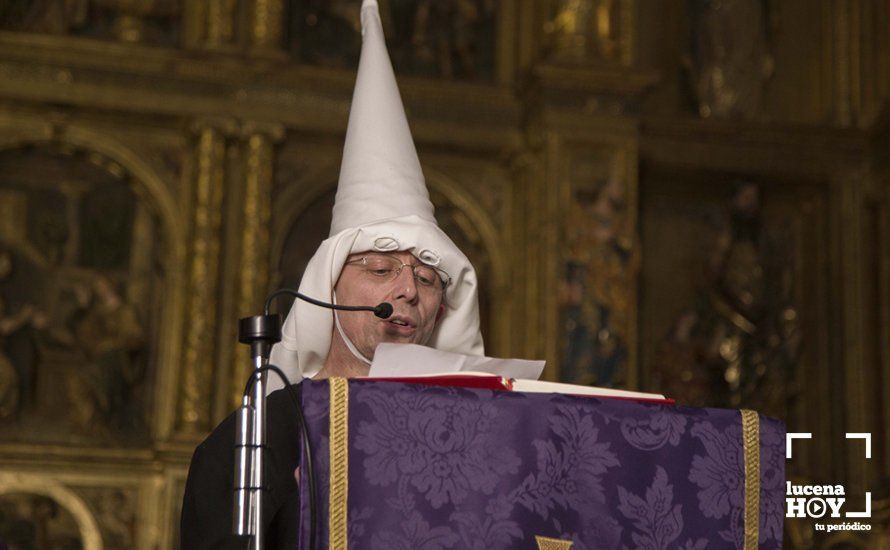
(391, 339)
(399, 334)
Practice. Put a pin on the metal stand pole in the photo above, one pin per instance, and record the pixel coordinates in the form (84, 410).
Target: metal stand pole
(259, 447)
(260, 332)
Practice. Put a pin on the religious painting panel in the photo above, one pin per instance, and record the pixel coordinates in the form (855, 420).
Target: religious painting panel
(80, 299)
(29, 520)
(69, 510)
(450, 39)
(597, 270)
(116, 512)
(155, 22)
(734, 295)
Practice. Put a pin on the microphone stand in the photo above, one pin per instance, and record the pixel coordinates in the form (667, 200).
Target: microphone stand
(261, 332)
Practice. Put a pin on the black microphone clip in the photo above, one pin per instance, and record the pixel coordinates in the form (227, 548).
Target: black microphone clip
(383, 310)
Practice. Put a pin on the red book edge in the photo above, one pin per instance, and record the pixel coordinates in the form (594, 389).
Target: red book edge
(494, 382)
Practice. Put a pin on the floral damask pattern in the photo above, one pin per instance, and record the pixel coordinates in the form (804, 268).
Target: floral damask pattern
(445, 468)
(720, 474)
(447, 449)
(489, 530)
(415, 533)
(568, 472)
(656, 520)
(654, 431)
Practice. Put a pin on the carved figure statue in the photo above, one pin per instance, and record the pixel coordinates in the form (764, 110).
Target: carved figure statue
(739, 345)
(730, 61)
(569, 30)
(10, 380)
(583, 29)
(109, 335)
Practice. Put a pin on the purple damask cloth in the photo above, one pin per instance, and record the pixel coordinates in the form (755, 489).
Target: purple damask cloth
(434, 468)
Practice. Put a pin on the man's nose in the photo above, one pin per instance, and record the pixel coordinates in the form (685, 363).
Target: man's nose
(406, 286)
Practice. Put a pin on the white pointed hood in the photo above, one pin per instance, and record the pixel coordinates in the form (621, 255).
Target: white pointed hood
(382, 204)
(380, 176)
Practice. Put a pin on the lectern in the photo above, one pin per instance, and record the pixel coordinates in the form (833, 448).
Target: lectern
(414, 467)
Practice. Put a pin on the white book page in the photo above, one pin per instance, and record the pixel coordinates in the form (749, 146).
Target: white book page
(399, 360)
(538, 386)
(412, 360)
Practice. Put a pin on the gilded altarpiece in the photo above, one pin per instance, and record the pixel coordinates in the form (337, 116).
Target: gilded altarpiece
(89, 256)
(81, 287)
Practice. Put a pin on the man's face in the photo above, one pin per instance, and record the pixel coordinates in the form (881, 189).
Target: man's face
(416, 307)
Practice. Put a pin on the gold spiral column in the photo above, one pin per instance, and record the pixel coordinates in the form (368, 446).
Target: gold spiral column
(203, 283)
(254, 246)
(220, 23)
(267, 26)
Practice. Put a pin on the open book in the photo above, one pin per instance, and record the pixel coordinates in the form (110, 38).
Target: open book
(409, 363)
(412, 360)
(484, 380)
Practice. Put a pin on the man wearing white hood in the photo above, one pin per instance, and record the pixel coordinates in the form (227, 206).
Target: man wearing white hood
(384, 246)
(382, 206)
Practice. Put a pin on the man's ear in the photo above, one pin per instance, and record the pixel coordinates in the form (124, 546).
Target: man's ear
(441, 311)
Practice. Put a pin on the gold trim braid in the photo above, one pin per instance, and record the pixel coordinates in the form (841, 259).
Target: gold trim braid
(751, 448)
(339, 478)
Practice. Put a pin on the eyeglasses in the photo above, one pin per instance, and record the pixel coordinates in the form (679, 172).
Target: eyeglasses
(388, 268)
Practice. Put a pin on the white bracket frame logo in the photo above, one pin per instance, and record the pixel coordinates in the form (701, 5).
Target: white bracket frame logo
(791, 436)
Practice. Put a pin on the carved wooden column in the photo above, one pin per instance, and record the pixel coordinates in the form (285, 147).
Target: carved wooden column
(845, 75)
(267, 26)
(220, 22)
(856, 69)
(210, 24)
(858, 63)
(199, 353)
(882, 222)
(526, 167)
(256, 214)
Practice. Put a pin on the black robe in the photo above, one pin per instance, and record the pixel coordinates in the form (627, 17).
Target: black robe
(206, 520)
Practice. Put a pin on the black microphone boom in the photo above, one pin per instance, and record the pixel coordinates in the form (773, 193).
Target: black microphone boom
(383, 310)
